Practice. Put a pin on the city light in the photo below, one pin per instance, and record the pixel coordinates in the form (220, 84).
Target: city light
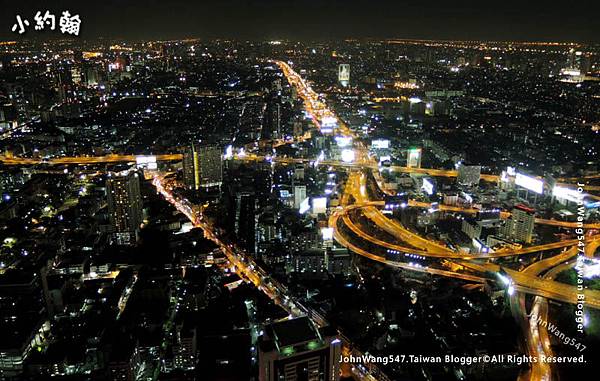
(348, 155)
(427, 186)
(304, 206)
(380, 143)
(319, 205)
(530, 183)
(228, 152)
(343, 141)
(146, 162)
(567, 193)
(302, 184)
(327, 234)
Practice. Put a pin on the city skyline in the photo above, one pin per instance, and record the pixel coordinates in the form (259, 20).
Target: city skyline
(290, 204)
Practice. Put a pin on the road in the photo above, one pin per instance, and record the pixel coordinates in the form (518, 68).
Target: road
(121, 158)
(537, 342)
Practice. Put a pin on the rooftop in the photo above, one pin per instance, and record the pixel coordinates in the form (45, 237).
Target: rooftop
(294, 331)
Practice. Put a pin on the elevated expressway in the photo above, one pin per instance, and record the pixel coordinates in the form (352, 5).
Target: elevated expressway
(122, 158)
(415, 244)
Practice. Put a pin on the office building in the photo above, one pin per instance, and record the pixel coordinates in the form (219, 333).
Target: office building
(274, 120)
(344, 74)
(124, 205)
(413, 158)
(299, 195)
(245, 219)
(520, 224)
(299, 172)
(295, 349)
(309, 264)
(202, 166)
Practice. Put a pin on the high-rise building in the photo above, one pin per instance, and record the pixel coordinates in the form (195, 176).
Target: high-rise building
(202, 166)
(190, 167)
(299, 195)
(295, 349)
(91, 75)
(469, 174)
(520, 224)
(185, 347)
(298, 129)
(579, 60)
(274, 114)
(245, 219)
(124, 205)
(299, 172)
(76, 74)
(413, 158)
(344, 74)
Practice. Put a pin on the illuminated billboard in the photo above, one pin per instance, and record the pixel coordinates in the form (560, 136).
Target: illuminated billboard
(530, 183)
(228, 152)
(319, 205)
(567, 194)
(380, 143)
(146, 162)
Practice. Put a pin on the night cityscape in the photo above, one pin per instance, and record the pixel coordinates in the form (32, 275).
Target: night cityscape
(299, 191)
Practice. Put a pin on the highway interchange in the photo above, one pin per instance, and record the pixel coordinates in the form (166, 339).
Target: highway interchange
(355, 220)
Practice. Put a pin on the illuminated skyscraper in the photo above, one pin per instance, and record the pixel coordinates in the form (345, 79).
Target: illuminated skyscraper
(413, 158)
(274, 120)
(299, 195)
(344, 74)
(579, 60)
(202, 166)
(190, 168)
(124, 206)
(520, 224)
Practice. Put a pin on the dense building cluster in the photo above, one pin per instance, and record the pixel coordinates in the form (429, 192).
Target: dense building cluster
(468, 150)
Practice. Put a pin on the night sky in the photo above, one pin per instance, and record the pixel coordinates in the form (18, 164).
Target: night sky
(548, 20)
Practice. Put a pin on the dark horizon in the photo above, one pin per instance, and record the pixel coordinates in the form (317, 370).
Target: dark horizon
(316, 20)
